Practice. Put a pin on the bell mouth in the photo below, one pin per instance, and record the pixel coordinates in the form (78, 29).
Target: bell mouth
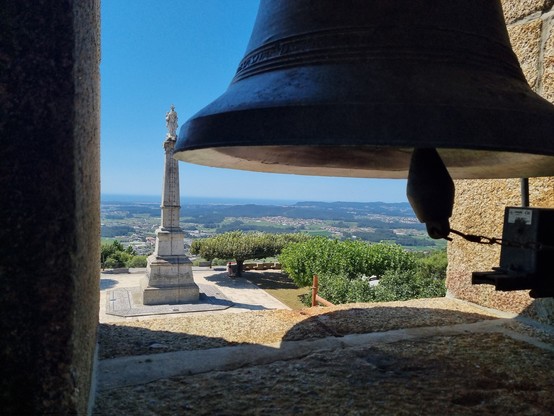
(367, 161)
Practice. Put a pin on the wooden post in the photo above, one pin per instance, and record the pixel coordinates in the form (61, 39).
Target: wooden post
(316, 299)
(315, 285)
(324, 302)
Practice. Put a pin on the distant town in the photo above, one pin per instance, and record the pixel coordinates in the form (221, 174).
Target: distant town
(133, 223)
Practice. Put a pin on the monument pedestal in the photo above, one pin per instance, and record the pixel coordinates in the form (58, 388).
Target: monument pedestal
(168, 277)
(169, 280)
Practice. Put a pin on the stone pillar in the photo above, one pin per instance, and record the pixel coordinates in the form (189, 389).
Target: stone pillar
(50, 205)
(169, 271)
(479, 206)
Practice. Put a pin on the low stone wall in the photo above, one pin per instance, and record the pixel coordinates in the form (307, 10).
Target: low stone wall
(262, 266)
(119, 270)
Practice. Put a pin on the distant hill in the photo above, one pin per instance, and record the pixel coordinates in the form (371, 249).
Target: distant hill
(370, 221)
(334, 211)
(400, 209)
(339, 211)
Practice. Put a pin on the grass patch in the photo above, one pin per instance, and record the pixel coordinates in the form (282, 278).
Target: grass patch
(280, 286)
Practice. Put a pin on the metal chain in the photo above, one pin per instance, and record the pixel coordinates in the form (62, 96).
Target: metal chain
(481, 239)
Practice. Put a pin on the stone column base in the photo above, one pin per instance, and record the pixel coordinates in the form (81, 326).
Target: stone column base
(169, 280)
(170, 295)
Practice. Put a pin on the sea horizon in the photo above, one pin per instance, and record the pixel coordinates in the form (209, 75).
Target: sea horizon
(194, 200)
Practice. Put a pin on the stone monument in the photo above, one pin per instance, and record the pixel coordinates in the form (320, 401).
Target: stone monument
(168, 277)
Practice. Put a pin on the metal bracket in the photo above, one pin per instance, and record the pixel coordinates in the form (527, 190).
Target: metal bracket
(525, 259)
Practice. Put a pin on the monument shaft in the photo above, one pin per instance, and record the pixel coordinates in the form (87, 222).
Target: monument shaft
(169, 271)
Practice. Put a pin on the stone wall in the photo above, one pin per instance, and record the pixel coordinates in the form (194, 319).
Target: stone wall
(479, 207)
(50, 202)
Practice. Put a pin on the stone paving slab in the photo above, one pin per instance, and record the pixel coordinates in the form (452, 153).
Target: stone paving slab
(142, 369)
(476, 369)
(126, 302)
(214, 283)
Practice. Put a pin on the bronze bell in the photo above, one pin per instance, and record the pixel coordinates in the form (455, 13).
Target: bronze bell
(349, 88)
(352, 87)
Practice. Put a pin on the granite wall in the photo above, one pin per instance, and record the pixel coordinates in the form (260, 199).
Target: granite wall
(50, 203)
(479, 206)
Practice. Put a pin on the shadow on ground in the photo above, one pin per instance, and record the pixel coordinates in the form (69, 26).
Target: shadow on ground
(270, 280)
(119, 341)
(264, 280)
(136, 338)
(462, 373)
(276, 284)
(107, 283)
(222, 279)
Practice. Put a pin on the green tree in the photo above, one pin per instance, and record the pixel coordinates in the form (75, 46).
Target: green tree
(242, 246)
(107, 251)
(114, 255)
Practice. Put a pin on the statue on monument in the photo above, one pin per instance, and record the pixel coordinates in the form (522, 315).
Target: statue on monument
(168, 278)
(171, 123)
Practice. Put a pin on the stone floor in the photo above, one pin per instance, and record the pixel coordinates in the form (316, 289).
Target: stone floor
(420, 357)
(120, 296)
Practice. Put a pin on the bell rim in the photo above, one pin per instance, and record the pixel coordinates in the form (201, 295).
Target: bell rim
(377, 125)
(460, 163)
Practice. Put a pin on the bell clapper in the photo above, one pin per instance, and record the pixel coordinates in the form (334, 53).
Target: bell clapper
(430, 191)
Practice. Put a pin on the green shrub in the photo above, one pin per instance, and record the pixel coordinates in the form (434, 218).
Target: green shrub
(394, 285)
(433, 265)
(112, 264)
(341, 289)
(137, 261)
(403, 278)
(343, 268)
(349, 259)
(220, 262)
(407, 284)
(360, 291)
(335, 289)
(397, 285)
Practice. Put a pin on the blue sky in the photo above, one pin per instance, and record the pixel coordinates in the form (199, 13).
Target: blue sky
(185, 52)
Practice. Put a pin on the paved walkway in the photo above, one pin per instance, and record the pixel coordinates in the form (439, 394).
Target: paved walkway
(244, 295)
